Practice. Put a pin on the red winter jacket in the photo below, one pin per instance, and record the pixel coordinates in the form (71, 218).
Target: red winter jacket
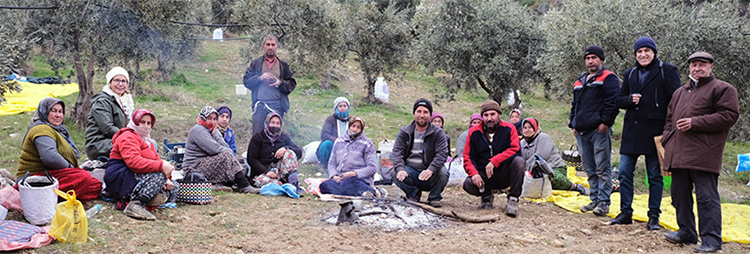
(140, 156)
(478, 151)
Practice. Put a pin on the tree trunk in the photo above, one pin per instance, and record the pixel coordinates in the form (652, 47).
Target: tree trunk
(517, 100)
(371, 91)
(325, 80)
(485, 88)
(134, 77)
(85, 87)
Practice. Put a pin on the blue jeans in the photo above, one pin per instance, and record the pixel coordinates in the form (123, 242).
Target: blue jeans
(351, 186)
(656, 186)
(596, 152)
(412, 185)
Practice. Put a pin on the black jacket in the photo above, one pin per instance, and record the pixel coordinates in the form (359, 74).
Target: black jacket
(435, 151)
(594, 101)
(646, 120)
(260, 152)
(252, 80)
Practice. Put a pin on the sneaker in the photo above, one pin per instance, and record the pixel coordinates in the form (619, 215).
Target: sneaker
(601, 209)
(219, 187)
(249, 189)
(157, 200)
(582, 189)
(511, 208)
(590, 207)
(487, 202)
(435, 203)
(136, 210)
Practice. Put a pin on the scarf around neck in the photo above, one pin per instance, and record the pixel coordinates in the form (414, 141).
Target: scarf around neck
(125, 101)
(41, 117)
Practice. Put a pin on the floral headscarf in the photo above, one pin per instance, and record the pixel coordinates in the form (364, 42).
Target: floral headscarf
(205, 112)
(41, 116)
(272, 132)
(355, 135)
(143, 131)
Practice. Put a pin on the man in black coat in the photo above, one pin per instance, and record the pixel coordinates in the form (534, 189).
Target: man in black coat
(646, 92)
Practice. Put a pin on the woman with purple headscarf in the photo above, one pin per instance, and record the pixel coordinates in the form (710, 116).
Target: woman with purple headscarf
(273, 156)
(475, 119)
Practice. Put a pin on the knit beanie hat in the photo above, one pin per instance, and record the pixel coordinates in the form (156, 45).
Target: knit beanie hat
(595, 50)
(224, 109)
(475, 116)
(644, 41)
(491, 105)
(117, 71)
(436, 115)
(424, 103)
(339, 100)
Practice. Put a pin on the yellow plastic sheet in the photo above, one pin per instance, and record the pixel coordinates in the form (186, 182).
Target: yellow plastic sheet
(735, 217)
(28, 99)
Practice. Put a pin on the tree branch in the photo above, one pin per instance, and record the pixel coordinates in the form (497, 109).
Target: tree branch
(27, 8)
(484, 86)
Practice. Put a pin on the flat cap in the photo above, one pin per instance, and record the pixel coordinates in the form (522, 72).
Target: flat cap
(702, 56)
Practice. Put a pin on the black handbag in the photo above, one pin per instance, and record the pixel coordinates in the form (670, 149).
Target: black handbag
(571, 157)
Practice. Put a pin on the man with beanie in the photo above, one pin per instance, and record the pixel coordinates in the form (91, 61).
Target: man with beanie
(225, 116)
(698, 121)
(271, 81)
(592, 113)
(646, 91)
(419, 153)
(492, 159)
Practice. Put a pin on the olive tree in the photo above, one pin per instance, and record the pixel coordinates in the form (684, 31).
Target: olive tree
(12, 52)
(679, 29)
(491, 44)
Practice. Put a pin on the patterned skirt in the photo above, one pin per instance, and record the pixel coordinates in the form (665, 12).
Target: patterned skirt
(219, 168)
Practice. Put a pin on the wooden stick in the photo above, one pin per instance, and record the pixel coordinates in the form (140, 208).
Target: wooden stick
(452, 214)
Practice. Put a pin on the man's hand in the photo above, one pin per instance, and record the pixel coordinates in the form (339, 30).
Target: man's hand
(272, 175)
(602, 128)
(425, 175)
(477, 180)
(267, 76)
(401, 175)
(636, 98)
(684, 124)
(575, 132)
(280, 153)
(490, 169)
(276, 83)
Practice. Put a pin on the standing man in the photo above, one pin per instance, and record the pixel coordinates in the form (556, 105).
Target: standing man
(646, 91)
(592, 114)
(418, 157)
(271, 81)
(698, 122)
(492, 159)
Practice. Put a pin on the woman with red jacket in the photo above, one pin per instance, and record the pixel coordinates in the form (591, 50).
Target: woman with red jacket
(134, 170)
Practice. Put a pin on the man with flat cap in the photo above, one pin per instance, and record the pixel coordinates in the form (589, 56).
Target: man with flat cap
(592, 113)
(698, 121)
(419, 153)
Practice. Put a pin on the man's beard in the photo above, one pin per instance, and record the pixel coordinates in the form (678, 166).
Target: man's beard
(423, 124)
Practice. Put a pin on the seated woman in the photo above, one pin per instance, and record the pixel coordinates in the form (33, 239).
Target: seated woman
(207, 153)
(47, 146)
(109, 113)
(134, 170)
(273, 156)
(475, 119)
(335, 126)
(515, 118)
(353, 163)
(225, 116)
(536, 142)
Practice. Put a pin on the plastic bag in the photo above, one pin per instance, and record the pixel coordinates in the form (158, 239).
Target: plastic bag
(743, 162)
(10, 198)
(69, 224)
(536, 187)
(38, 198)
(457, 173)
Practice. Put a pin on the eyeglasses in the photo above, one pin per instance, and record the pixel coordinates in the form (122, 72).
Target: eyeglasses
(121, 81)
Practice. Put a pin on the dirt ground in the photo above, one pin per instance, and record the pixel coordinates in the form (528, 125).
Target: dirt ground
(247, 223)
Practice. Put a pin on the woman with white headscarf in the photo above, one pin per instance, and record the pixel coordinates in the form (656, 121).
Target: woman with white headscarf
(110, 111)
(335, 126)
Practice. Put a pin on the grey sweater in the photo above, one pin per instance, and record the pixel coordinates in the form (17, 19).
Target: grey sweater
(200, 144)
(544, 147)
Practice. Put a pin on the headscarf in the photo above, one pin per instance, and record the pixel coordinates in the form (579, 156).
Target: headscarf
(355, 135)
(143, 131)
(221, 110)
(271, 132)
(41, 116)
(519, 124)
(475, 116)
(205, 112)
(126, 100)
(343, 116)
(436, 115)
(535, 125)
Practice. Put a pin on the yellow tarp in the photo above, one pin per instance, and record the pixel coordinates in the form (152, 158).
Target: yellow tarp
(30, 96)
(735, 218)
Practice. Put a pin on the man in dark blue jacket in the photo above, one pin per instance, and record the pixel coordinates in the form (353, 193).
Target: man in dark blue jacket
(492, 159)
(592, 114)
(646, 92)
(419, 153)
